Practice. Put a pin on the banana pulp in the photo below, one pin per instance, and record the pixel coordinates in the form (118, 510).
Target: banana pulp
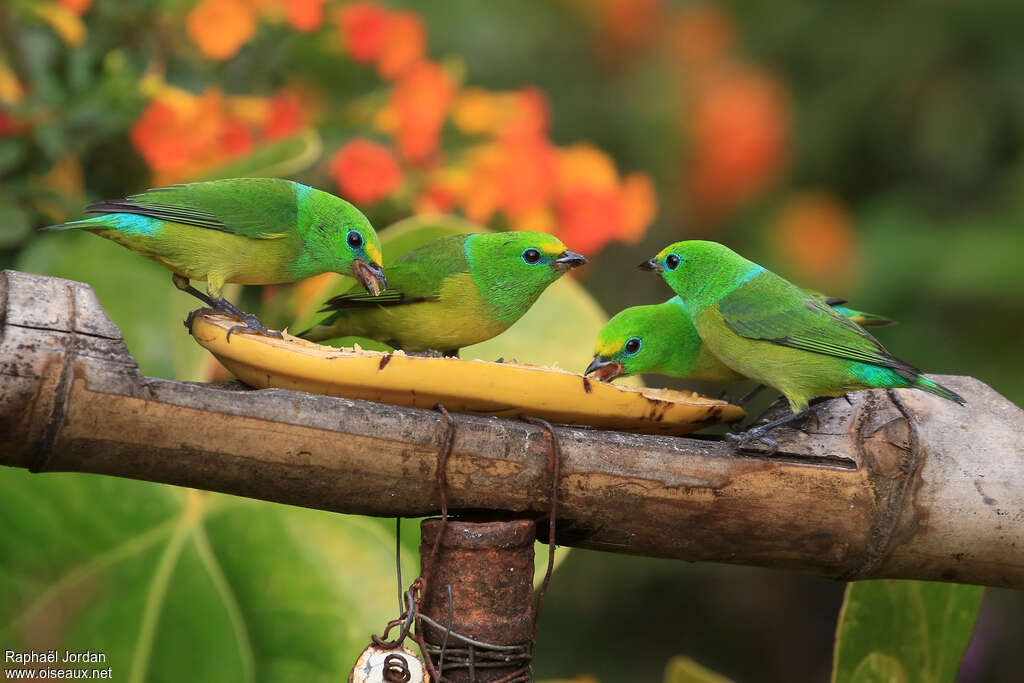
(470, 386)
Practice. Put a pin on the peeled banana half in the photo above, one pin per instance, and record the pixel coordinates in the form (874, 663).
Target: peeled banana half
(469, 386)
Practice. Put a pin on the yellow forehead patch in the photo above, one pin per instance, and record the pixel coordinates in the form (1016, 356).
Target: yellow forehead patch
(663, 253)
(373, 252)
(608, 347)
(552, 248)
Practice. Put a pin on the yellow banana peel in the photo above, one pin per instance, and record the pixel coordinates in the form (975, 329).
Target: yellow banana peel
(470, 386)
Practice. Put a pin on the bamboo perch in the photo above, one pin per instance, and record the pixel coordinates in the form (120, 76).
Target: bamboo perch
(880, 484)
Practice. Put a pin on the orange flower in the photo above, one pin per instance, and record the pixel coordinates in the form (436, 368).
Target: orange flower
(588, 219)
(220, 27)
(817, 236)
(420, 101)
(235, 139)
(180, 134)
(740, 130)
(583, 165)
(701, 34)
(639, 205)
(363, 26)
(404, 44)
(285, 115)
(529, 117)
(476, 111)
(365, 171)
(77, 6)
(8, 124)
(628, 24)
(527, 174)
(305, 15)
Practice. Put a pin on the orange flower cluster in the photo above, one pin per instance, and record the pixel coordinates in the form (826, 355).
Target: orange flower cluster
(816, 235)
(504, 164)
(365, 171)
(574, 192)
(181, 135)
(393, 40)
(737, 115)
(511, 168)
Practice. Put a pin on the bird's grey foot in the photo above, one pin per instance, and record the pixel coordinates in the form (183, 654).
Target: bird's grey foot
(192, 316)
(183, 284)
(252, 325)
(744, 440)
(450, 353)
(428, 353)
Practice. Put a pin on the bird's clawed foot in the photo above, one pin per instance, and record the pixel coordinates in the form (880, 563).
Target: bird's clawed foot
(192, 316)
(252, 325)
(744, 440)
(427, 353)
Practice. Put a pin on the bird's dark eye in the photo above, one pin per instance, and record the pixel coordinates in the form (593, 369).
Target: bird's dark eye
(531, 256)
(354, 239)
(672, 261)
(632, 346)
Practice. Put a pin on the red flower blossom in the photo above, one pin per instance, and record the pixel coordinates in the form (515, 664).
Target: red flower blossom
(305, 15)
(285, 115)
(365, 171)
(404, 44)
(235, 139)
(363, 26)
(588, 219)
(420, 100)
(77, 6)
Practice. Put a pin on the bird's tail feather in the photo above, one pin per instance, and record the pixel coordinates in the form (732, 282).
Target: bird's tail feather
(922, 382)
(88, 223)
(871, 320)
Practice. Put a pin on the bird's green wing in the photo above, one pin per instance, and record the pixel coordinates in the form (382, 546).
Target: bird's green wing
(417, 276)
(771, 309)
(259, 208)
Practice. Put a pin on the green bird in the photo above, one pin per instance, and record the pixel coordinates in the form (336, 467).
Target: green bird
(661, 340)
(768, 329)
(452, 292)
(252, 231)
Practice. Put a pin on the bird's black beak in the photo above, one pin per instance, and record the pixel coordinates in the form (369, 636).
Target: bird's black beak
(569, 259)
(604, 369)
(650, 264)
(370, 276)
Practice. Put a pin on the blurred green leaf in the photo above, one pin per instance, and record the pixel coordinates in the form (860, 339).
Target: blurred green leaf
(275, 160)
(686, 670)
(136, 293)
(176, 585)
(11, 152)
(14, 225)
(895, 631)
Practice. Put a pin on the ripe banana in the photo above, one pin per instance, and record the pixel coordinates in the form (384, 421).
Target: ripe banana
(470, 386)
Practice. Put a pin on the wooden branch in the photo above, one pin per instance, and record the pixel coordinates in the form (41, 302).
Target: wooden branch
(881, 484)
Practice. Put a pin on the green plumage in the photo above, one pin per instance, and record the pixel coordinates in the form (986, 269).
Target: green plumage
(770, 330)
(452, 292)
(661, 339)
(244, 230)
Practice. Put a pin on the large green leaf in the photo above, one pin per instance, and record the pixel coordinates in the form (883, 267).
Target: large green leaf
(181, 585)
(136, 293)
(904, 631)
(687, 670)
